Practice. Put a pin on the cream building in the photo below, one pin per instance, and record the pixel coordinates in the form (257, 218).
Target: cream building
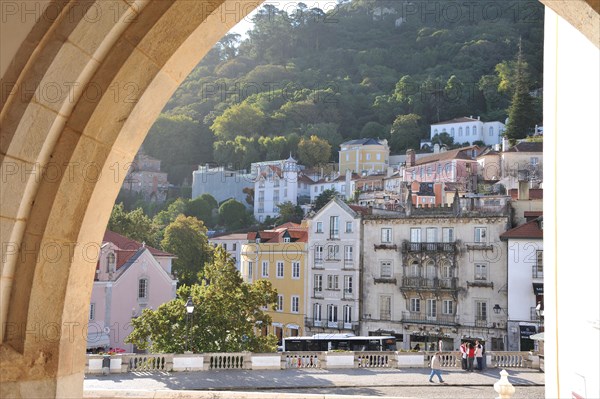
(333, 293)
(232, 243)
(279, 256)
(364, 155)
(436, 273)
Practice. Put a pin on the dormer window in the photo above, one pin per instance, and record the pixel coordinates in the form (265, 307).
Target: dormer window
(110, 262)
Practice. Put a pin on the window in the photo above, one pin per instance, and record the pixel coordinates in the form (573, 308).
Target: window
(491, 131)
(286, 239)
(467, 131)
(446, 271)
(348, 255)
(276, 182)
(431, 234)
(368, 157)
(414, 269)
(539, 261)
(143, 288)
(347, 314)
(415, 305)
(318, 253)
(261, 196)
(385, 269)
(481, 271)
(318, 283)
(448, 306)
(534, 161)
(474, 130)
(378, 157)
(250, 270)
(333, 282)
(110, 262)
(332, 315)
(415, 235)
(319, 228)
(431, 308)
(348, 227)
(480, 234)
(234, 247)
(385, 307)
(386, 235)
(295, 269)
(451, 132)
(285, 194)
(334, 227)
(276, 196)
(460, 131)
(348, 284)
(280, 303)
(265, 269)
(225, 246)
(481, 309)
(317, 312)
(333, 252)
(92, 311)
(295, 304)
(447, 234)
(430, 270)
(279, 269)
(347, 157)
(261, 184)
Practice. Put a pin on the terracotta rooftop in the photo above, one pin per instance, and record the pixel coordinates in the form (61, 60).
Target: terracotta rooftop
(457, 120)
(294, 231)
(127, 244)
(459, 153)
(528, 230)
(526, 146)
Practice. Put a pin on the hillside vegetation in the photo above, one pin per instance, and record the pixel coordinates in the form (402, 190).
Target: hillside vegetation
(366, 68)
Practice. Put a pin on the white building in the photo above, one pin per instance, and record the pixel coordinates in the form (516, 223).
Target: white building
(333, 269)
(436, 273)
(341, 183)
(221, 183)
(276, 182)
(469, 129)
(232, 243)
(525, 282)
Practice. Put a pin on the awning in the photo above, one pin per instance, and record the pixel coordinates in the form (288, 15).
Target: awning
(537, 337)
(538, 288)
(98, 340)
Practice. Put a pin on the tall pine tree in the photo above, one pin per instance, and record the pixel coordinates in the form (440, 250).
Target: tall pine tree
(521, 110)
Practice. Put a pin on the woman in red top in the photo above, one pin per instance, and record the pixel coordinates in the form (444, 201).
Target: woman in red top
(470, 356)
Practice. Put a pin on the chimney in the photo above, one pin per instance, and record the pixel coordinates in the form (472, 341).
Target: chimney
(436, 148)
(523, 193)
(479, 118)
(410, 158)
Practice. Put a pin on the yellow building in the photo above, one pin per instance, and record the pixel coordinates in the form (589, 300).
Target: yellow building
(279, 255)
(364, 155)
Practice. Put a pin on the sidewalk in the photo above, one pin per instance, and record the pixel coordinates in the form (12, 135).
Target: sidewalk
(253, 382)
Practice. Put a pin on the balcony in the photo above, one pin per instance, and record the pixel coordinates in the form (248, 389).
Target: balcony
(481, 322)
(417, 317)
(318, 263)
(429, 283)
(447, 247)
(318, 293)
(311, 322)
(384, 280)
(348, 264)
(348, 294)
(537, 271)
(392, 247)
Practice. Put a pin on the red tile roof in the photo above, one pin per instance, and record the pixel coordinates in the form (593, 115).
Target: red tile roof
(534, 193)
(528, 230)
(296, 232)
(457, 120)
(458, 153)
(127, 244)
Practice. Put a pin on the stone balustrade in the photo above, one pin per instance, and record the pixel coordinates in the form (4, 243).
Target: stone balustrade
(123, 363)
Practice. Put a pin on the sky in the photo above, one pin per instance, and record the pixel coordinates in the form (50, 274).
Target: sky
(289, 5)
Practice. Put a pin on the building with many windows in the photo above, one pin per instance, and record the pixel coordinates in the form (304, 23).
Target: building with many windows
(436, 273)
(279, 256)
(364, 156)
(130, 276)
(333, 294)
(232, 243)
(469, 130)
(525, 282)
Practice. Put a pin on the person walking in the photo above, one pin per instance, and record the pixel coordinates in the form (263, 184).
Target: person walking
(463, 355)
(470, 356)
(479, 355)
(436, 366)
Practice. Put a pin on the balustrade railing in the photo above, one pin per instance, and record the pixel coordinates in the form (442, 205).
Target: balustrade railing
(148, 362)
(227, 361)
(302, 360)
(374, 359)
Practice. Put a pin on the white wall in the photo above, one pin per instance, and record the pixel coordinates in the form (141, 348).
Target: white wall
(572, 297)
(521, 259)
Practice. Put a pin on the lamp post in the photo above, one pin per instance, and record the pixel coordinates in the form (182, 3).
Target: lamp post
(189, 307)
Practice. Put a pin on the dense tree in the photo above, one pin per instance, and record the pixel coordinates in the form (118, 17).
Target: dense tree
(521, 111)
(239, 120)
(288, 212)
(168, 216)
(134, 224)
(227, 314)
(186, 238)
(313, 151)
(203, 208)
(406, 133)
(233, 215)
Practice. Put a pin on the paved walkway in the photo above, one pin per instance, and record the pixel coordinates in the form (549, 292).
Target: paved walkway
(255, 384)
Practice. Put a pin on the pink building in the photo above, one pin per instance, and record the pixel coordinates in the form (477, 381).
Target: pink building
(130, 276)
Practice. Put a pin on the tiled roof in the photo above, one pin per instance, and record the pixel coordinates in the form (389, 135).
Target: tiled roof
(234, 236)
(127, 244)
(456, 120)
(459, 153)
(534, 193)
(528, 230)
(527, 146)
(296, 232)
(366, 141)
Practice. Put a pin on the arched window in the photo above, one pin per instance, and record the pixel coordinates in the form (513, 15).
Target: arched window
(435, 132)
(491, 130)
(430, 270)
(474, 130)
(452, 132)
(460, 131)
(468, 131)
(414, 269)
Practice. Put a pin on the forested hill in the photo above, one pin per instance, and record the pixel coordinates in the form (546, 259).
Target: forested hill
(364, 68)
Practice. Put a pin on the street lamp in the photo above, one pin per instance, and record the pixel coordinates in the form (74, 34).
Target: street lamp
(189, 307)
(497, 309)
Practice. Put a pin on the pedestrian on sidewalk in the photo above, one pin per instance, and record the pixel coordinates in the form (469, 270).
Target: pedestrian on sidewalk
(463, 355)
(470, 356)
(436, 365)
(479, 355)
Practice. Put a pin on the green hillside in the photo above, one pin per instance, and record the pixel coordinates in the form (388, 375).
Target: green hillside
(365, 68)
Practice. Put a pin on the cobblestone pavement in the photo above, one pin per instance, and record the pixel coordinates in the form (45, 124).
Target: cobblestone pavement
(398, 383)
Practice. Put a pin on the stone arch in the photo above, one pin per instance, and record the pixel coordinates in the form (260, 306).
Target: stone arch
(82, 81)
